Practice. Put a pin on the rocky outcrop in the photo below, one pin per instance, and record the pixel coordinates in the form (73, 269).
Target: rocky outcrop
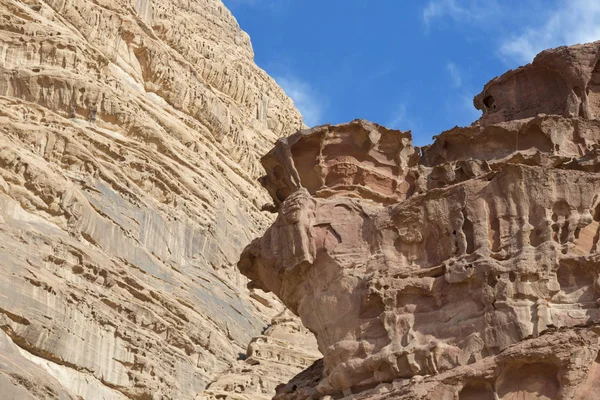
(283, 350)
(359, 159)
(563, 81)
(468, 269)
(130, 134)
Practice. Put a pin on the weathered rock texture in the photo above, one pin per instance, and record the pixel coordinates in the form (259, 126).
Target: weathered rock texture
(284, 350)
(130, 133)
(563, 81)
(468, 269)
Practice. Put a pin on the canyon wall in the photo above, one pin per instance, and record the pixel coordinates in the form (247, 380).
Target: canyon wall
(130, 138)
(467, 269)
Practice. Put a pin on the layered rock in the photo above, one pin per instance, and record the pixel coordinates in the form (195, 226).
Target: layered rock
(130, 133)
(467, 269)
(563, 81)
(284, 349)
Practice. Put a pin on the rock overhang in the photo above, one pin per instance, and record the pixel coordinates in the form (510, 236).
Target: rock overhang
(340, 160)
(563, 81)
(409, 262)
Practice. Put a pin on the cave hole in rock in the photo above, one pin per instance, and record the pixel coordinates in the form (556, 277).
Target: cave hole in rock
(532, 381)
(564, 233)
(372, 306)
(490, 103)
(492, 280)
(468, 231)
(477, 391)
(494, 234)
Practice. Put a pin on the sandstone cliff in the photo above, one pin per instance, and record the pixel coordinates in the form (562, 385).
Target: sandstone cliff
(130, 133)
(468, 269)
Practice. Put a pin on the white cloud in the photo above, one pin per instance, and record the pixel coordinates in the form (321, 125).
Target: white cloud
(398, 118)
(571, 22)
(307, 100)
(402, 120)
(519, 33)
(459, 10)
(455, 75)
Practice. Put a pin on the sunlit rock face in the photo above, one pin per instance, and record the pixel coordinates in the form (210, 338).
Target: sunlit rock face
(359, 159)
(285, 349)
(130, 138)
(563, 81)
(468, 269)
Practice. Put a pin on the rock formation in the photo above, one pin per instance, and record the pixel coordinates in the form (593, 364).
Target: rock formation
(130, 134)
(283, 350)
(468, 269)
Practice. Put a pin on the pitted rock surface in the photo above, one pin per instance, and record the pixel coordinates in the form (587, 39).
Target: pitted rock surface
(563, 81)
(468, 269)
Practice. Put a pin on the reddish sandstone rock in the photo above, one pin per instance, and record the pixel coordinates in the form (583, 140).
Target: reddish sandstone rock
(468, 269)
(563, 81)
(359, 159)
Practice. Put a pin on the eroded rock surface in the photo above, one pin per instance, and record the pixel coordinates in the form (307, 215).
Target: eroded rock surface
(130, 134)
(563, 81)
(468, 269)
(284, 349)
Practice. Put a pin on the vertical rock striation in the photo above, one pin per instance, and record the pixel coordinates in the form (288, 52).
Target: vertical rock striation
(468, 269)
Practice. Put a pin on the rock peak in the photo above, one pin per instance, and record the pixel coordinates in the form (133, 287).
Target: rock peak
(360, 158)
(563, 81)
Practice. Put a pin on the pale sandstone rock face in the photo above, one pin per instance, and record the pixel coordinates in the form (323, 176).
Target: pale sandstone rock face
(468, 269)
(284, 349)
(130, 133)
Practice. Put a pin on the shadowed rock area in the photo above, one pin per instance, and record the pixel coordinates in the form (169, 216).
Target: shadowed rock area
(467, 269)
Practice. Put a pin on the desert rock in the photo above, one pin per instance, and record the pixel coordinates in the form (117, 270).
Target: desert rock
(468, 269)
(130, 134)
(563, 81)
(284, 349)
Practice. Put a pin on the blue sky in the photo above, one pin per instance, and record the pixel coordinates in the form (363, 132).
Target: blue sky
(405, 64)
